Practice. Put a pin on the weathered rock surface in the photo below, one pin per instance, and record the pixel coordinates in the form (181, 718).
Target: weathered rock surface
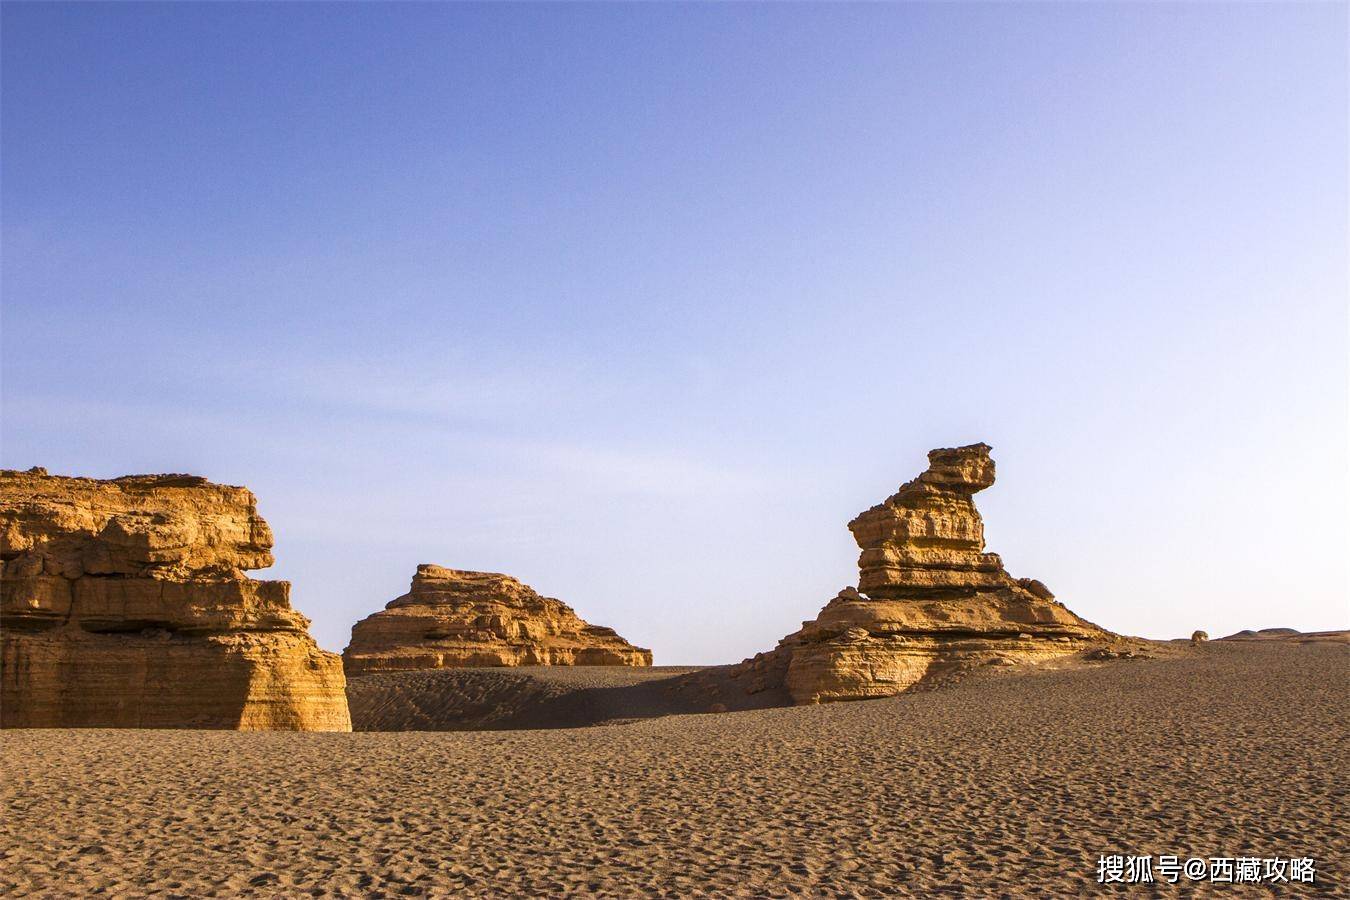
(930, 601)
(455, 619)
(124, 604)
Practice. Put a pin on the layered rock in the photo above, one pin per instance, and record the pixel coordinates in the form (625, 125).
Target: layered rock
(124, 604)
(452, 618)
(930, 601)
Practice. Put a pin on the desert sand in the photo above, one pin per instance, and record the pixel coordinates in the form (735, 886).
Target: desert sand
(1007, 784)
(531, 697)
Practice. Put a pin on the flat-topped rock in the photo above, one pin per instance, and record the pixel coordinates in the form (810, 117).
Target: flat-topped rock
(451, 618)
(124, 604)
(930, 601)
(143, 525)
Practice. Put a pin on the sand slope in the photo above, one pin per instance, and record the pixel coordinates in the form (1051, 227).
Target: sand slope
(1009, 785)
(1290, 635)
(543, 697)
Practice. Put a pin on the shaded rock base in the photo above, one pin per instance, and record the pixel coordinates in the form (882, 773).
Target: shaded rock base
(543, 697)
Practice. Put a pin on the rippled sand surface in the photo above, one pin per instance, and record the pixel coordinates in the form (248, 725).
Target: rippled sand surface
(1009, 785)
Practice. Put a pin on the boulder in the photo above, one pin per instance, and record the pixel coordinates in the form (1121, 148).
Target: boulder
(452, 618)
(930, 601)
(124, 604)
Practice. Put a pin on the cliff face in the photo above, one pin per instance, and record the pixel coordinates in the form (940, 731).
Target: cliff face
(452, 618)
(124, 604)
(930, 600)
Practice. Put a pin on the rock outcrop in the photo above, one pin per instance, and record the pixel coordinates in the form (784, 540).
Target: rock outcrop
(452, 619)
(930, 601)
(124, 604)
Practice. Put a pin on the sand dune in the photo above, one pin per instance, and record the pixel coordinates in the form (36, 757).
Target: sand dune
(543, 697)
(1009, 785)
(1291, 635)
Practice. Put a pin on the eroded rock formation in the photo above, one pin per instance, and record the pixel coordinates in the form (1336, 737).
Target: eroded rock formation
(930, 601)
(124, 604)
(452, 618)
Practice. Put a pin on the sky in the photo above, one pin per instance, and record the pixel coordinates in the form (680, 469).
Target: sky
(643, 303)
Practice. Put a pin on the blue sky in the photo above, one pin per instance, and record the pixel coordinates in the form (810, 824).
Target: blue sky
(642, 303)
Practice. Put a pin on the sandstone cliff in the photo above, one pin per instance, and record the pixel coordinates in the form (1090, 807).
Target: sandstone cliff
(452, 618)
(124, 604)
(931, 601)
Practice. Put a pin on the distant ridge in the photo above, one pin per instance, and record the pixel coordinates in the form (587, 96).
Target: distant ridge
(1291, 635)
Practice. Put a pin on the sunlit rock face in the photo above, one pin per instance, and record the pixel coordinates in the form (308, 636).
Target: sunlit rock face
(930, 601)
(927, 539)
(124, 604)
(452, 618)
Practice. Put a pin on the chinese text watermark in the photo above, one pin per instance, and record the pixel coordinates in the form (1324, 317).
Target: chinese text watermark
(1214, 869)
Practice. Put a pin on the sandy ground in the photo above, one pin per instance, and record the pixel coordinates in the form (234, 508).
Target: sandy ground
(1290, 635)
(1010, 785)
(542, 697)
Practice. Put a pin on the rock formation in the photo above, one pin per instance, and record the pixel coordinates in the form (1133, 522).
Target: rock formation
(124, 604)
(930, 601)
(452, 618)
